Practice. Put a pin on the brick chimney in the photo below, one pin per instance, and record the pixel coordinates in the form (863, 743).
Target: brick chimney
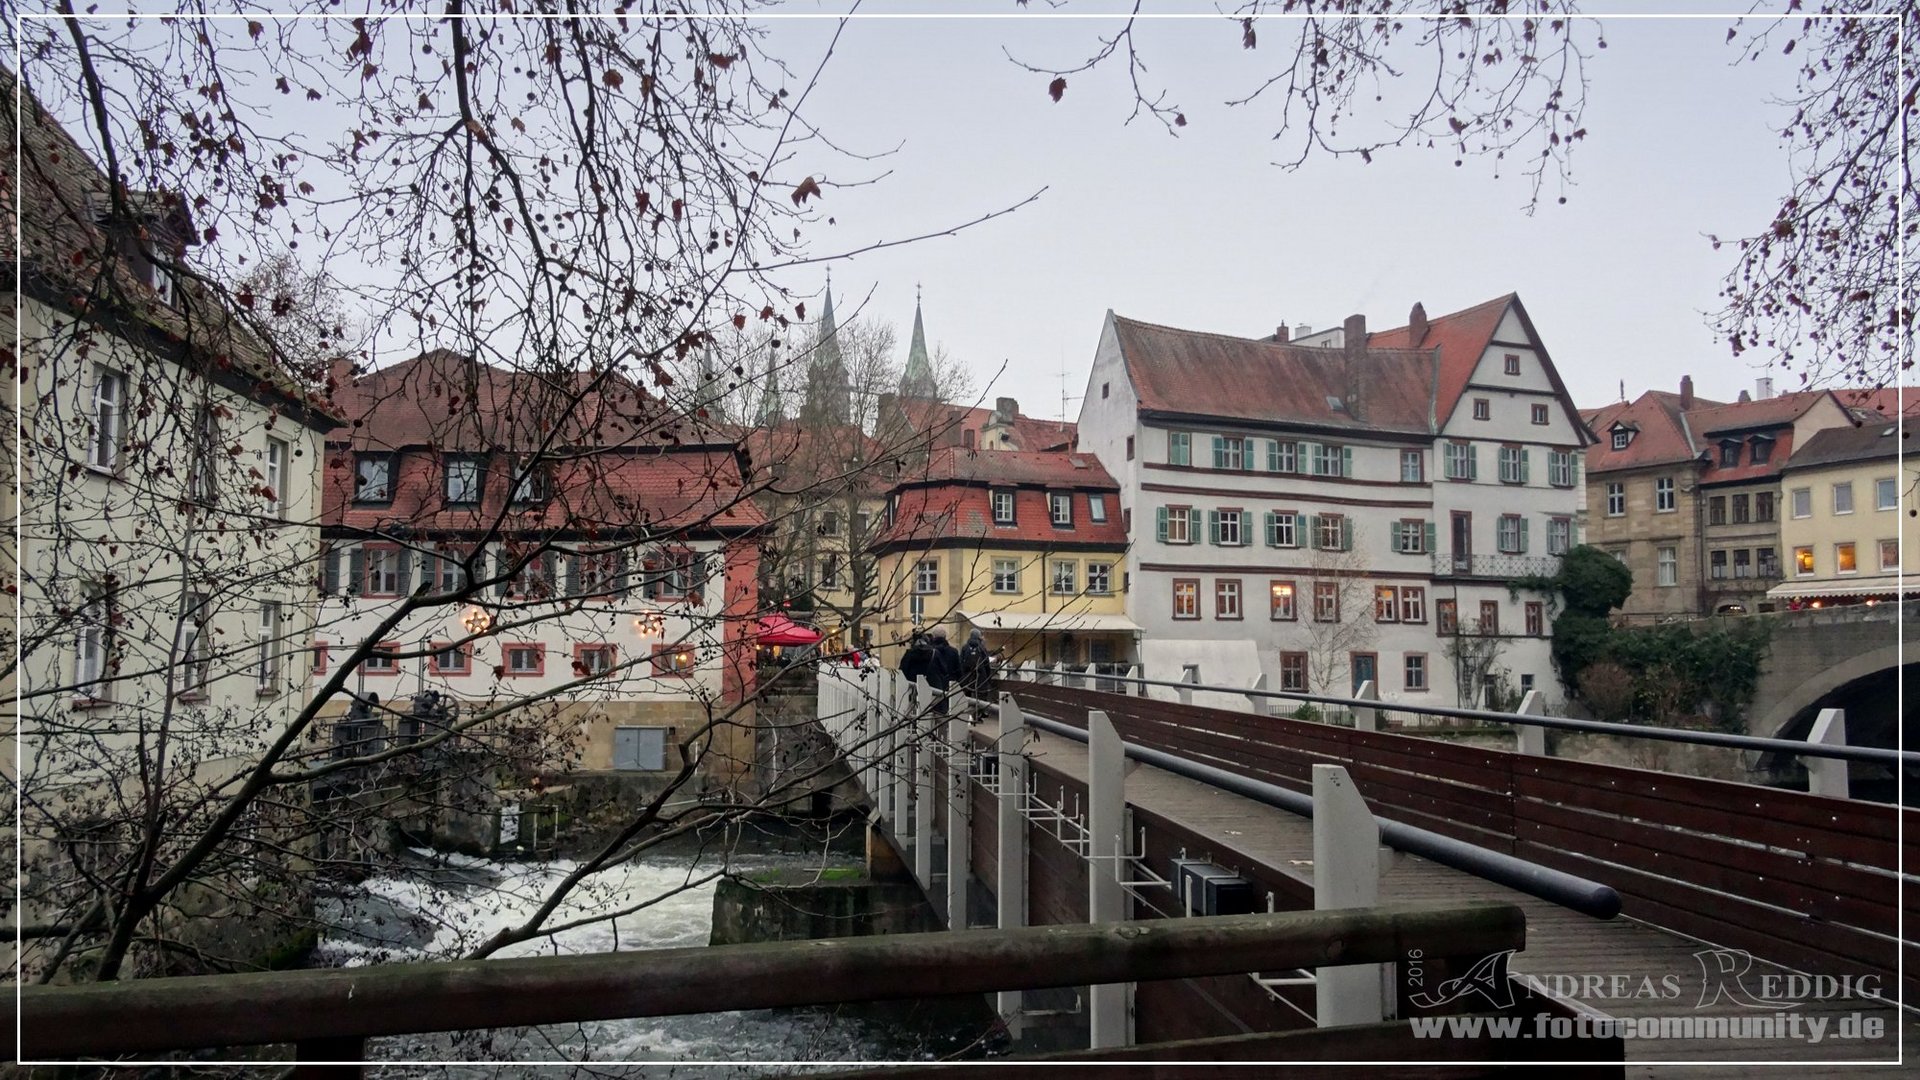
(1416, 324)
(1686, 392)
(1280, 333)
(1354, 349)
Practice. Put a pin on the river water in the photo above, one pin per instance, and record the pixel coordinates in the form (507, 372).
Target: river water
(441, 906)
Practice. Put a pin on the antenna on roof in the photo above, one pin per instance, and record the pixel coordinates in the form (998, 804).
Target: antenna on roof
(1063, 388)
(1623, 391)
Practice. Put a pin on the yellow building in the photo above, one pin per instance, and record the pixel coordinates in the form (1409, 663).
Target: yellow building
(1027, 547)
(1844, 528)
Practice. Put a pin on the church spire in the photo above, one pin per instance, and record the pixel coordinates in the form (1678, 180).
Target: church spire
(828, 395)
(917, 380)
(772, 410)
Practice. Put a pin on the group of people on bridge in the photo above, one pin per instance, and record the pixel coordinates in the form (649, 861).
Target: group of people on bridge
(932, 657)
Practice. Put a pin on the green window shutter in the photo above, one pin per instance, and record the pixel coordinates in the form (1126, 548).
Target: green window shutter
(1526, 465)
(1346, 461)
(1313, 532)
(1523, 536)
(1219, 452)
(1213, 527)
(1304, 461)
(1193, 525)
(1160, 524)
(1393, 537)
(329, 570)
(1271, 521)
(1247, 460)
(1346, 534)
(405, 574)
(501, 564)
(1473, 462)
(356, 570)
(1431, 538)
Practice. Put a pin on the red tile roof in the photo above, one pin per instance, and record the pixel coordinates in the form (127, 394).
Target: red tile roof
(616, 467)
(1661, 436)
(950, 500)
(1460, 338)
(1886, 401)
(1195, 373)
(948, 425)
(1709, 419)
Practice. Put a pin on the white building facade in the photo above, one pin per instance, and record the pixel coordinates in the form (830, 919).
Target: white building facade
(1356, 508)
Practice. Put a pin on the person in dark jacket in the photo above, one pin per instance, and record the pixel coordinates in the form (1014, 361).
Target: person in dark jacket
(976, 667)
(945, 669)
(918, 660)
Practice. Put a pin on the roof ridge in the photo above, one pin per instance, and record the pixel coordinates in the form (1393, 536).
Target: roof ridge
(1334, 350)
(1501, 300)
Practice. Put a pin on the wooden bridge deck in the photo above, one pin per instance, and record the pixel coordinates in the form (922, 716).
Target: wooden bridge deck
(1559, 941)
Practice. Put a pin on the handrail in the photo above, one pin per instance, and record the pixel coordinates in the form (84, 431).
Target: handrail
(1553, 886)
(314, 1007)
(1601, 727)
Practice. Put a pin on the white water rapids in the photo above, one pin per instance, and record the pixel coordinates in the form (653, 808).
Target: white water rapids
(447, 905)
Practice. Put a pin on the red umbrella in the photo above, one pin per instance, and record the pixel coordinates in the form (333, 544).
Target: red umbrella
(780, 630)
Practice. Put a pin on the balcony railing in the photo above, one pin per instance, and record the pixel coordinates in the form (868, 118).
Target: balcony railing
(1447, 564)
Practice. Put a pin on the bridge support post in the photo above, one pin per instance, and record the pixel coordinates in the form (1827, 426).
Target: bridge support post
(1133, 672)
(1528, 738)
(899, 757)
(922, 733)
(1010, 872)
(1108, 1005)
(1364, 718)
(959, 810)
(1257, 705)
(1188, 677)
(1346, 874)
(1828, 776)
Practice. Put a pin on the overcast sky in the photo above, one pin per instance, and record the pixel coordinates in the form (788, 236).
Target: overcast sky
(1204, 232)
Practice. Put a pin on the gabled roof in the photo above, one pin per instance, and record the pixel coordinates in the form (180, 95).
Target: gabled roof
(69, 260)
(1868, 442)
(1710, 420)
(1010, 468)
(1662, 435)
(449, 401)
(1460, 338)
(947, 424)
(1195, 373)
(1887, 401)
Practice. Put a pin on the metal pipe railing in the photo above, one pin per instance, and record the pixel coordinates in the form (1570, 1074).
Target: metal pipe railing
(1563, 723)
(1553, 886)
(335, 1008)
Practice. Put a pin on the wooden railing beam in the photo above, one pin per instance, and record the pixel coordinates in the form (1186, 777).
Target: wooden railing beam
(104, 1020)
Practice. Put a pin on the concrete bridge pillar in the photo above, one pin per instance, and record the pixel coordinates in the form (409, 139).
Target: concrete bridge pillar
(1010, 874)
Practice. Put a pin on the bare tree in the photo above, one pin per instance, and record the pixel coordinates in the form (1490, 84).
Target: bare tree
(229, 529)
(1816, 288)
(1339, 620)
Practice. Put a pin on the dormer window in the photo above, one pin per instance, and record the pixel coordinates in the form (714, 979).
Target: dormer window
(1622, 435)
(1003, 506)
(1729, 453)
(373, 478)
(1762, 449)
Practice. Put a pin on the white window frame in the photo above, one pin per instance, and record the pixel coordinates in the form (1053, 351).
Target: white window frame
(1413, 603)
(267, 660)
(278, 453)
(1621, 437)
(1182, 442)
(1232, 531)
(1386, 603)
(1331, 533)
(1099, 579)
(473, 486)
(1886, 494)
(1285, 530)
(361, 486)
(1846, 551)
(110, 389)
(520, 649)
(1003, 499)
(195, 661)
(1510, 457)
(926, 577)
(1559, 535)
(1801, 502)
(92, 642)
(1097, 508)
(1180, 516)
(1667, 567)
(1843, 494)
(1060, 508)
(1413, 467)
(1559, 468)
(1283, 456)
(1414, 671)
(1811, 567)
(1616, 499)
(1226, 599)
(1006, 576)
(1666, 497)
(1063, 577)
(1890, 546)
(1506, 534)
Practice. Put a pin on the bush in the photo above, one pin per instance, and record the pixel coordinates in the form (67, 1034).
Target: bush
(1592, 582)
(1607, 688)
